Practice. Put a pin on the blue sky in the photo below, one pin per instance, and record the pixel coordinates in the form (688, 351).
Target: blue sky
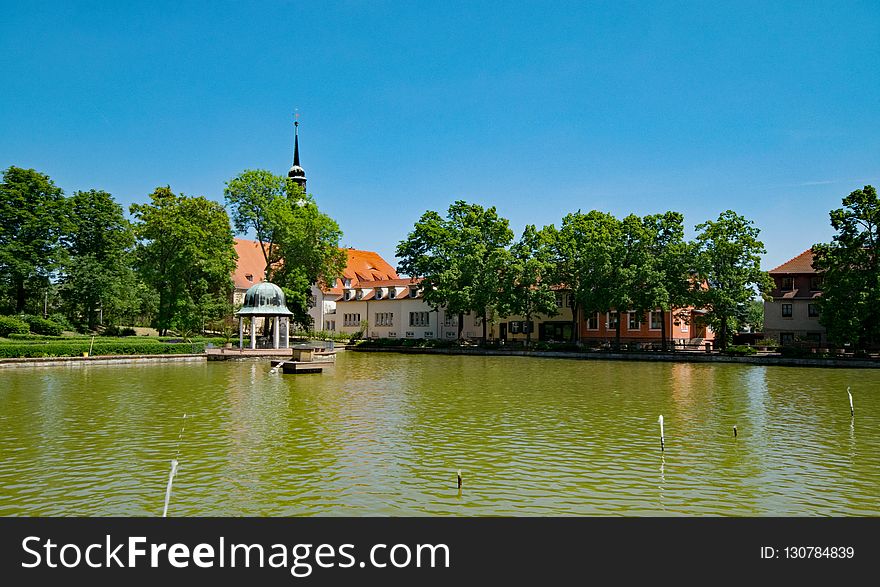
(769, 108)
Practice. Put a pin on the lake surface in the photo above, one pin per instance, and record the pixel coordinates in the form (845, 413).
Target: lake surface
(385, 434)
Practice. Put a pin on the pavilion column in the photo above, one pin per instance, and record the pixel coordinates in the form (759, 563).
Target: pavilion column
(253, 332)
(240, 332)
(275, 334)
(287, 332)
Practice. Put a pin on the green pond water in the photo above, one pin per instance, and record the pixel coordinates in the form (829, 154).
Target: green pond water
(385, 434)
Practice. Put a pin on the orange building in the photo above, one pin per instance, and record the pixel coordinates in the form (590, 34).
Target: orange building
(683, 326)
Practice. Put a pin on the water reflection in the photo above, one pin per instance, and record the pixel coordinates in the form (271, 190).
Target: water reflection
(385, 434)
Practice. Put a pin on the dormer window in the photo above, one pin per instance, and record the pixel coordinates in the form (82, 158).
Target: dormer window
(413, 291)
(378, 294)
(249, 277)
(393, 293)
(346, 283)
(348, 294)
(360, 294)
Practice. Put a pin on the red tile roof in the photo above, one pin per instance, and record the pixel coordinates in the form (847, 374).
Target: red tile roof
(362, 267)
(803, 263)
(250, 263)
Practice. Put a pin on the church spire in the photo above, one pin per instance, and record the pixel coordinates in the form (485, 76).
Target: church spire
(296, 143)
(297, 173)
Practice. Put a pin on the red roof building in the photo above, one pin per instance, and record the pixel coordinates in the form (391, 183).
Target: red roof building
(793, 313)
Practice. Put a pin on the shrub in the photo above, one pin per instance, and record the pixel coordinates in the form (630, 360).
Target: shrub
(62, 321)
(40, 325)
(127, 331)
(741, 350)
(10, 325)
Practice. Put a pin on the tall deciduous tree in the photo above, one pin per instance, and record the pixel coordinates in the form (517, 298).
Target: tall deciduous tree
(187, 254)
(32, 221)
(850, 302)
(527, 280)
(728, 264)
(300, 244)
(460, 258)
(666, 281)
(97, 273)
(583, 257)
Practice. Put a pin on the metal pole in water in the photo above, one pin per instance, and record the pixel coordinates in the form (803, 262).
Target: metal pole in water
(662, 439)
(852, 411)
(459, 478)
(168, 489)
(734, 430)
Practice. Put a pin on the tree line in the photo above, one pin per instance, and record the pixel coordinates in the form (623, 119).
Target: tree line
(80, 261)
(470, 262)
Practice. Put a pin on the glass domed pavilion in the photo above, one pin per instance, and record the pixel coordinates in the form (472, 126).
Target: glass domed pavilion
(265, 300)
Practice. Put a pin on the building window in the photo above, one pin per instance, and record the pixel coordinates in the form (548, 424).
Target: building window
(816, 283)
(378, 294)
(450, 320)
(384, 318)
(788, 283)
(569, 300)
(351, 319)
(419, 319)
(393, 293)
(346, 283)
(612, 320)
(478, 321)
(786, 337)
(249, 276)
(786, 310)
(514, 327)
(360, 294)
(635, 321)
(656, 320)
(813, 310)
(413, 291)
(348, 295)
(593, 321)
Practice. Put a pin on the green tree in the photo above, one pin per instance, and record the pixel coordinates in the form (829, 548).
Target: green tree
(526, 280)
(460, 259)
(97, 272)
(300, 244)
(32, 221)
(728, 268)
(850, 302)
(754, 317)
(583, 256)
(186, 253)
(665, 281)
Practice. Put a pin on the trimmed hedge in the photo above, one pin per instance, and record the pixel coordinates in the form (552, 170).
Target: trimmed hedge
(77, 348)
(40, 338)
(10, 325)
